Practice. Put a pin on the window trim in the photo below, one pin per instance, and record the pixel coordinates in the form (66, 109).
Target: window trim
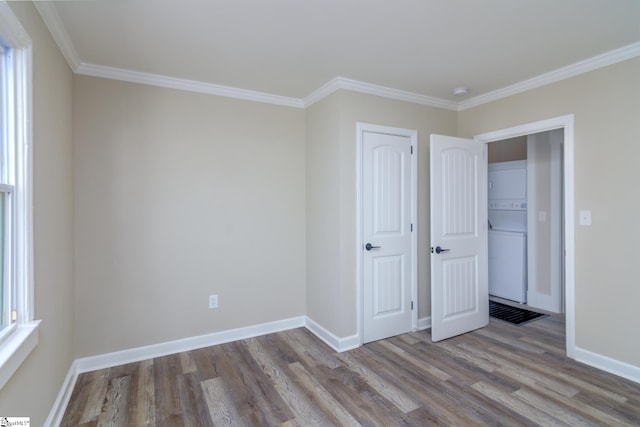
(23, 338)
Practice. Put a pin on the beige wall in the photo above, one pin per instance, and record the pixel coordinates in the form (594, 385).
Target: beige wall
(335, 308)
(179, 196)
(324, 289)
(508, 150)
(33, 388)
(606, 103)
(541, 150)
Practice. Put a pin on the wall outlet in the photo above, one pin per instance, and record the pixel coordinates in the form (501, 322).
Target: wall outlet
(213, 301)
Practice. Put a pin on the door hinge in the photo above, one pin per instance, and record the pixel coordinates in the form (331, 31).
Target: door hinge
(411, 305)
(412, 228)
(412, 149)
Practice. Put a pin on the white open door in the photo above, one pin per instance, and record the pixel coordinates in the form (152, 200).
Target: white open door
(387, 246)
(459, 274)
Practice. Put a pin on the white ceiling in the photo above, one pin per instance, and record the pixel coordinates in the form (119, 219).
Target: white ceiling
(291, 48)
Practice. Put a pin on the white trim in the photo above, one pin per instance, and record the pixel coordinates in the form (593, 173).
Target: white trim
(186, 85)
(613, 366)
(322, 92)
(137, 354)
(371, 89)
(117, 358)
(414, 230)
(333, 341)
(566, 123)
(64, 395)
(51, 18)
(337, 83)
(413, 135)
(532, 224)
(24, 275)
(358, 248)
(581, 67)
(15, 348)
(424, 323)
(338, 344)
(53, 22)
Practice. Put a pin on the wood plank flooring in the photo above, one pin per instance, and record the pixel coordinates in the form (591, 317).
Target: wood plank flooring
(501, 375)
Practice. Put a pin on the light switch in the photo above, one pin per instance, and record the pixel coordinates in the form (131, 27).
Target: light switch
(585, 218)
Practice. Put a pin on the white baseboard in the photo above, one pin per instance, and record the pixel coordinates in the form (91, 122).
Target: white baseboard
(336, 343)
(424, 323)
(613, 366)
(61, 402)
(108, 360)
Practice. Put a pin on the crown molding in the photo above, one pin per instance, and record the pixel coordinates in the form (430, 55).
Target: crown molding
(370, 89)
(53, 22)
(186, 85)
(49, 15)
(608, 58)
(322, 92)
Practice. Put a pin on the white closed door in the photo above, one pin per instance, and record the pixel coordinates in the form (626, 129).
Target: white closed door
(386, 231)
(459, 255)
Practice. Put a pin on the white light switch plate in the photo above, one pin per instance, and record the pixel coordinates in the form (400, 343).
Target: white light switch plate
(213, 301)
(585, 218)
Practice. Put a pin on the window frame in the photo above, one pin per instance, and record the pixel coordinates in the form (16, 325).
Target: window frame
(20, 338)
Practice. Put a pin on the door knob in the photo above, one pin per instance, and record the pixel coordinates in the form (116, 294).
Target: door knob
(369, 246)
(439, 250)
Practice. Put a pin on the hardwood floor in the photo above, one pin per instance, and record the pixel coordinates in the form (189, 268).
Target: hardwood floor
(501, 375)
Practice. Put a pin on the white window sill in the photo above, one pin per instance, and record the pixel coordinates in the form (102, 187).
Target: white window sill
(16, 347)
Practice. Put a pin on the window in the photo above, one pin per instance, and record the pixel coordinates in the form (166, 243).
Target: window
(7, 284)
(18, 330)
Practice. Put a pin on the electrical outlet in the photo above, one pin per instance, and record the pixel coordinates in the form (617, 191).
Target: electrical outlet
(213, 301)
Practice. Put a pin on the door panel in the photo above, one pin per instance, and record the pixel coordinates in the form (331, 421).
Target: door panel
(386, 177)
(459, 279)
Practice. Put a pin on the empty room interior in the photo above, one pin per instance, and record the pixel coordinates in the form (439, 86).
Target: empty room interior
(305, 212)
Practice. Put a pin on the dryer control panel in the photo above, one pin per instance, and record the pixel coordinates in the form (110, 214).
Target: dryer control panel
(508, 205)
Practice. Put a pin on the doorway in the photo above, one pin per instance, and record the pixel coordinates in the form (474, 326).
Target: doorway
(566, 124)
(525, 220)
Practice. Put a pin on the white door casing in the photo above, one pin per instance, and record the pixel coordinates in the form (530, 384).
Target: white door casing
(459, 258)
(567, 124)
(388, 226)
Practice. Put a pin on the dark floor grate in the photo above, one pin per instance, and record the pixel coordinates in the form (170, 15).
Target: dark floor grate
(515, 315)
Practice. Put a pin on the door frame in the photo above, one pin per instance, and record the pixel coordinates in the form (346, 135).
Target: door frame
(567, 124)
(413, 135)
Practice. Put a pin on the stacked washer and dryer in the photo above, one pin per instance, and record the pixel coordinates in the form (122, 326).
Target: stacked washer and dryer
(508, 230)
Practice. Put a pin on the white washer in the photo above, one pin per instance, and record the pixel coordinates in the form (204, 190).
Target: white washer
(508, 265)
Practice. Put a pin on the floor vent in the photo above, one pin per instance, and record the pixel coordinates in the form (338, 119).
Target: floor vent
(517, 316)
